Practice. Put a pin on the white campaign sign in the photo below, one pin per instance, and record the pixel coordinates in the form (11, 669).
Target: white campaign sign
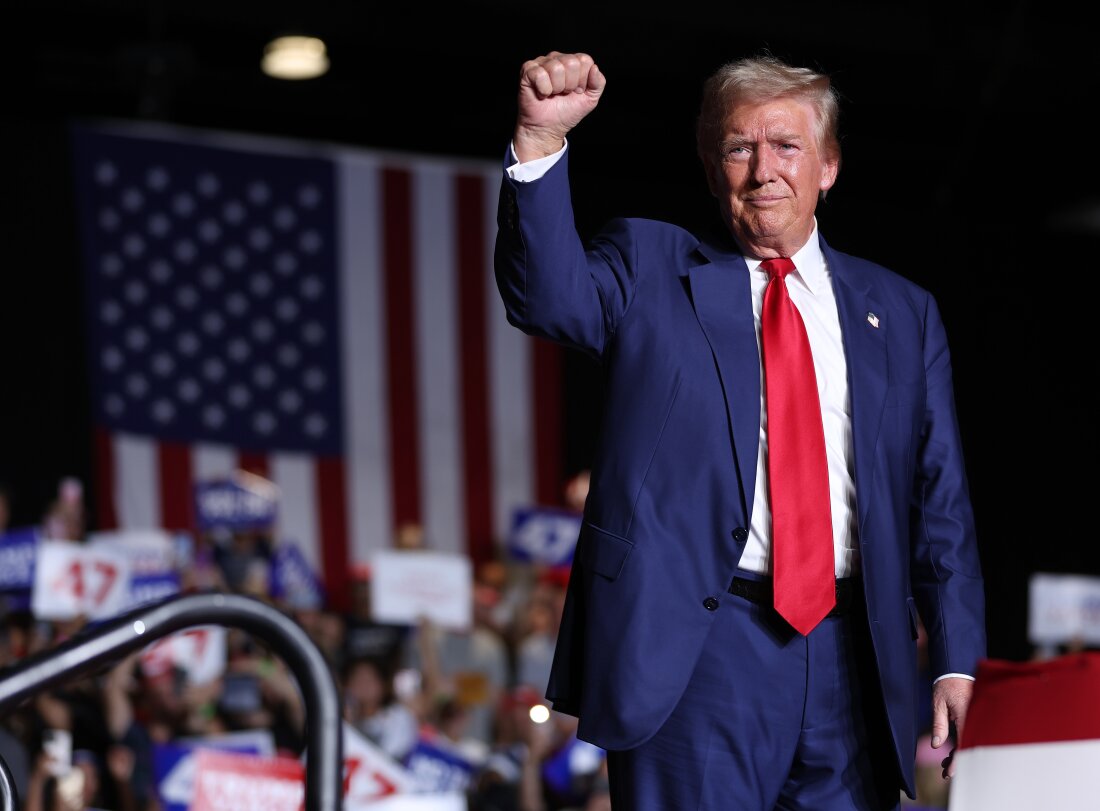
(1064, 609)
(453, 801)
(73, 580)
(152, 551)
(369, 773)
(199, 651)
(408, 585)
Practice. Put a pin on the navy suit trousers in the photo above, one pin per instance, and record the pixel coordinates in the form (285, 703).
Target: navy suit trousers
(770, 720)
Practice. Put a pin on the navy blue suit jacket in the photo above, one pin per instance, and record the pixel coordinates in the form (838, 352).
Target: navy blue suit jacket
(669, 316)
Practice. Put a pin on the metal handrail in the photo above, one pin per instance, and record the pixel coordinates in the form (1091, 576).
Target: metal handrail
(8, 795)
(109, 642)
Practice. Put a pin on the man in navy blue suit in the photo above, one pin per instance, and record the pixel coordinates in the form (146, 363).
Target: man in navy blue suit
(671, 650)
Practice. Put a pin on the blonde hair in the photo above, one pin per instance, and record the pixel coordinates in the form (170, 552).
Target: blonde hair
(764, 78)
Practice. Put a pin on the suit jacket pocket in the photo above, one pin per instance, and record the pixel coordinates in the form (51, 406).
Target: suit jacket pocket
(603, 552)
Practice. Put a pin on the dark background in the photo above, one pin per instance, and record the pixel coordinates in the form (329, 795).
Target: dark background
(970, 165)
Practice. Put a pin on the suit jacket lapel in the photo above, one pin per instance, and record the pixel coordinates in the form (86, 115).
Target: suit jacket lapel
(864, 324)
(721, 295)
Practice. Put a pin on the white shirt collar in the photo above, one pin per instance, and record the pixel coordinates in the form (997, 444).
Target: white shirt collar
(809, 263)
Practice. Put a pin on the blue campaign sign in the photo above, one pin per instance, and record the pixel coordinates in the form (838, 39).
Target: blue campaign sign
(174, 766)
(437, 768)
(241, 502)
(544, 535)
(153, 588)
(18, 548)
(293, 580)
(576, 759)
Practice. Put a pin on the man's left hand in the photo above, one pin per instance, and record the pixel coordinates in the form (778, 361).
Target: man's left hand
(950, 700)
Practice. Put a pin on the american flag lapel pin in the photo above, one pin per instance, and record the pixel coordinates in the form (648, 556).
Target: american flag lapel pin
(872, 319)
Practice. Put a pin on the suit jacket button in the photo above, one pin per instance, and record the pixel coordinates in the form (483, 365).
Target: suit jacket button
(740, 535)
(710, 604)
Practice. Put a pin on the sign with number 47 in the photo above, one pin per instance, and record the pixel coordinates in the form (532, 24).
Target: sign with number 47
(73, 580)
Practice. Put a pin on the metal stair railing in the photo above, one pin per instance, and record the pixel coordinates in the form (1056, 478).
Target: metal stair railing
(108, 642)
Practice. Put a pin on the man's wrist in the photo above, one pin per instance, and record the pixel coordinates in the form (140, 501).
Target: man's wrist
(534, 169)
(953, 676)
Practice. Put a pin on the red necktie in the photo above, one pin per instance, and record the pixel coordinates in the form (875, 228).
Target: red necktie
(798, 472)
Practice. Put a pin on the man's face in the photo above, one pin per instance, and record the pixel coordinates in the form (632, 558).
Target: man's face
(767, 174)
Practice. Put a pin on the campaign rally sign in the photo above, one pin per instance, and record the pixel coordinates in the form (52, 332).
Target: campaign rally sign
(174, 764)
(227, 781)
(154, 557)
(370, 775)
(448, 801)
(74, 579)
(293, 580)
(18, 548)
(407, 585)
(242, 501)
(544, 535)
(439, 768)
(567, 767)
(199, 652)
(1064, 609)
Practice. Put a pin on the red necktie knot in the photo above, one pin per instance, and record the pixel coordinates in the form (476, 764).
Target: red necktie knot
(777, 268)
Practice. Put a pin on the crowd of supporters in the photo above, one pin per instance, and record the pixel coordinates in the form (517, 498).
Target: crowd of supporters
(473, 698)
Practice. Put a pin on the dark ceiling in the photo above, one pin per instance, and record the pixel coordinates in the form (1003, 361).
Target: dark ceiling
(934, 92)
(969, 165)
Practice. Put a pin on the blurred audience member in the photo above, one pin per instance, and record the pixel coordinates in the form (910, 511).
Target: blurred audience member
(538, 632)
(576, 490)
(371, 706)
(364, 637)
(244, 557)
(469, 668)
(410, 536)
(64, 518)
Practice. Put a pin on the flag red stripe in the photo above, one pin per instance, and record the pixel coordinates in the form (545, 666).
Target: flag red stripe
(106, 517)
(401, 352)
(332, 517)
(547, 368)
(473, 367)
(1034, 702)
(174, 462)
(254, 462)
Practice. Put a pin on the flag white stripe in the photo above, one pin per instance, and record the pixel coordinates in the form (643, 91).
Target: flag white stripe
(294, 475)
(366, 414)
(438, 359)
(511, 382)
(137, 478)
(211, 461)
(1025, 777)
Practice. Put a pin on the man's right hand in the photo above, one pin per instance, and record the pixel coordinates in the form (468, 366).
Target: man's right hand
(556, 91)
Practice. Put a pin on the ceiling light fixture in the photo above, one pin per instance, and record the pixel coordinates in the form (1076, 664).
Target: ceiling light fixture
(295, 57)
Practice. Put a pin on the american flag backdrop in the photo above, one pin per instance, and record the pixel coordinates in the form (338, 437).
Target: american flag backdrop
(321, 315)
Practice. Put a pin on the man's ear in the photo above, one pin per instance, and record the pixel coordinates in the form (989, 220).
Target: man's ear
(829, 175)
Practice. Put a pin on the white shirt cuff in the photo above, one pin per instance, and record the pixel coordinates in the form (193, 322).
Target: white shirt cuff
(532, 170)
(954, 676)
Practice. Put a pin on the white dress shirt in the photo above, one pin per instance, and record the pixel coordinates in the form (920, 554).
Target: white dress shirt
(811, 290)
